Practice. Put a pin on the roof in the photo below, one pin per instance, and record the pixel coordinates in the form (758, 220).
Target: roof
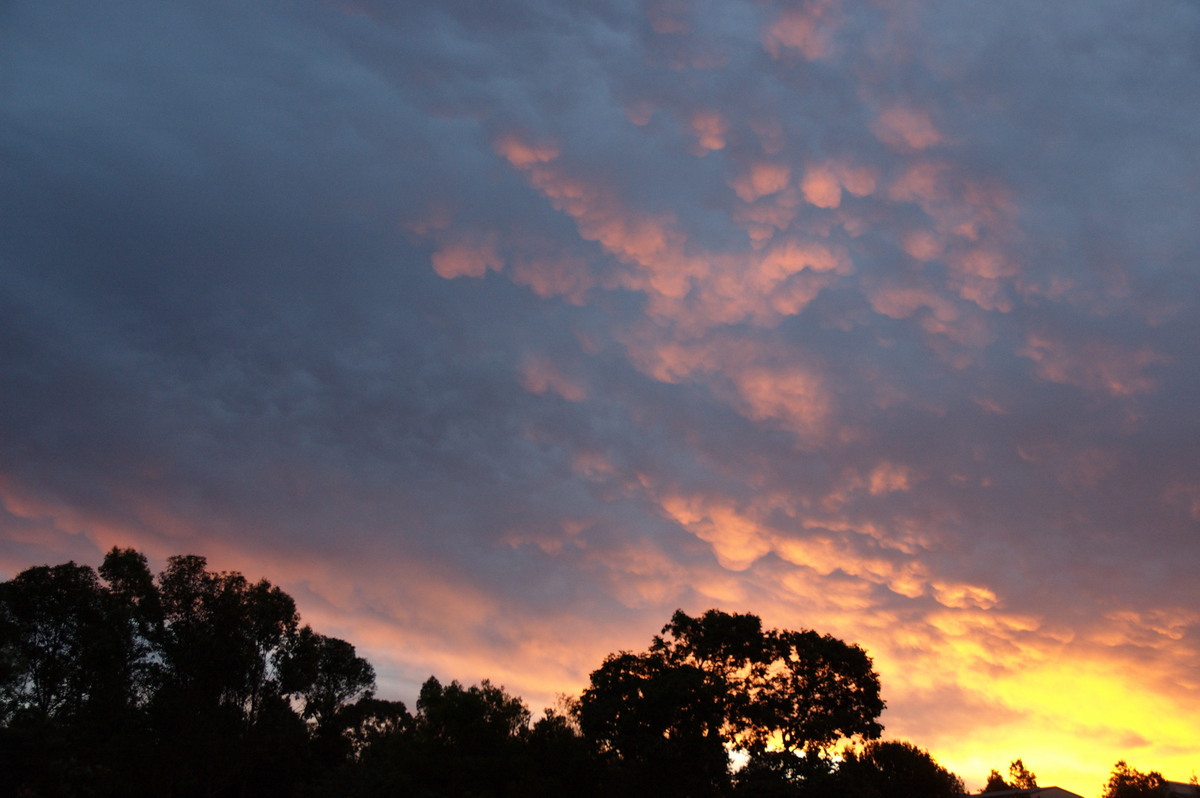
(1035, 792)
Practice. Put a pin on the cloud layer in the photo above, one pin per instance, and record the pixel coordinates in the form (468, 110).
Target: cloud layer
(495, 332)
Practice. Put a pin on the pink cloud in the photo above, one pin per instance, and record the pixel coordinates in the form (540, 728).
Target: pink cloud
(524, 154)
(762, 179)
(792, 255)
(923, 245)
(890, 478)
(859, 180)
(771, 135)
(737, 540)
(640, 112)
(1115, 369)
(821, 187)
(467, 257)
(540, 375)
(906, 129)
(795, 396)
(710, 128)
(807, 31)
(763, 219)
(669, 17)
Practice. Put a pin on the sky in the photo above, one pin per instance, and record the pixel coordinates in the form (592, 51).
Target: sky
(494, 332)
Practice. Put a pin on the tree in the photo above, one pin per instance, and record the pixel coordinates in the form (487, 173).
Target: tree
(325, 674)
(996, 782)
(718, 683)
(137, 616)
(1127, 782)
(1019, 778)
(64, 693)
(895, 769)
(225, 638)
(194, 682)
(369, 721)
(660, 722)
(55, 629)
(468, 741)
(476, 718)
(819, 691)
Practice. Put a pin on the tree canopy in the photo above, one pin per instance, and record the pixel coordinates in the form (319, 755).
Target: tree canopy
(195, 682)
(719, 683)
(1128, 782)
(1019, 778)
(184, 683)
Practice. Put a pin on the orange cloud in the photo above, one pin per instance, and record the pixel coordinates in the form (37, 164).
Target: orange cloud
(736, 539)
(695, 289)
(964, 596)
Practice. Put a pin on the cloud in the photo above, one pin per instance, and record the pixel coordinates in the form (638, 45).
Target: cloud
(806, 30)
(906, 129)
(497, 334)
(467, 258)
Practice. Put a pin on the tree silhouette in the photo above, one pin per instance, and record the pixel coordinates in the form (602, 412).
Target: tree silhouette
(325, 674)
(1127, 782)
(718, 683)
(996, 782)
(1019, 778)
(895, 769)
(203, 683)
(63, 648)
(122, 683)
(660, 723)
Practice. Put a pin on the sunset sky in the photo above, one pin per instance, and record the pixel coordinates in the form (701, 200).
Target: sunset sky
(495, 331)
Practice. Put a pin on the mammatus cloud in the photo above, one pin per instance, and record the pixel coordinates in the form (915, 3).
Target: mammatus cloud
(495, 335)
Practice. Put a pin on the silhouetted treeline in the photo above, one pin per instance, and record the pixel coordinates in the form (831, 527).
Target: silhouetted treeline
(115, 681)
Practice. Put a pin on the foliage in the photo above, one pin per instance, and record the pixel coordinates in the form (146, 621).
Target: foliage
(119, 682)
(1019, 778)
(718, 683)
(195, 682)
(1127, 782)
(896, 769)
(996, 782)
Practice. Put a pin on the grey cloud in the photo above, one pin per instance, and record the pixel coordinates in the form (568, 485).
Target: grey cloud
(220, 321)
